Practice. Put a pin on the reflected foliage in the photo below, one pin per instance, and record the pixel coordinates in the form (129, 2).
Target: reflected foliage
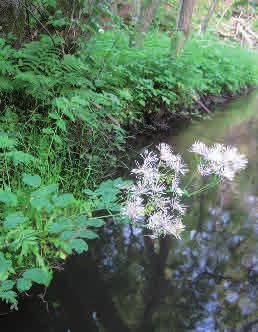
(206, 282)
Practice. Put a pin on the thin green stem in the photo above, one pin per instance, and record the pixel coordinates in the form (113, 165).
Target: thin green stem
(204, 188)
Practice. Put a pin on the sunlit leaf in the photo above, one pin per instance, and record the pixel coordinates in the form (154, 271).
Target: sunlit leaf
(81, 220)
(63, 200)
(20, 157)
(39, 276)
(14, 219)
(31, 180)
(6, 142)
(24, 284)
(7, 285)
(88, 234)
(95, 222)
(44, 191)
(5, 267)
(79, 245)
(8, 198)
(41, 204)
(67, 235)
(60, 225)
(9, 297)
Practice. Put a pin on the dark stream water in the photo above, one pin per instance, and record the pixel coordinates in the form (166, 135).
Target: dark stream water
(205, 282)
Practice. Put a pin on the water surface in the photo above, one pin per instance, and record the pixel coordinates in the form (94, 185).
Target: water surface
(206, 282)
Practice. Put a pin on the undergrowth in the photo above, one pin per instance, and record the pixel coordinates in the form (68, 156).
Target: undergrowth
(63, 119)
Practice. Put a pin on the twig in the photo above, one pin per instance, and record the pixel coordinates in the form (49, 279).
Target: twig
(201, 104)
(222, 16)
(42, 25)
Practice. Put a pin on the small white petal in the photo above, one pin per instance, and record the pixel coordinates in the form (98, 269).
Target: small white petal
(223, 161)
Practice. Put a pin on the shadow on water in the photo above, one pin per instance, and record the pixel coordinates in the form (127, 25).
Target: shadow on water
(206, 282)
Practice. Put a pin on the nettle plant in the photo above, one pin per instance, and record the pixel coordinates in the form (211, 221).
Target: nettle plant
(40, 227)
(155, 200)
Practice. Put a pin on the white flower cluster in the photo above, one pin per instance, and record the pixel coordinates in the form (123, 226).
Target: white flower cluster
(223, 161)
(155, 197)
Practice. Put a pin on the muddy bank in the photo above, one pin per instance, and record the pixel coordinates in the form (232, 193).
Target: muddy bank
(202, 106)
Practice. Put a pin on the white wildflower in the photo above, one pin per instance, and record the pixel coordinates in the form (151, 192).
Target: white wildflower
(177, 206)
(148, 176)
(134, 209)
(175, 162)
(148, 186)
(175, 186)
(161, 203)
(155, 198)
(101, 30)
(165, 151)
(170, 205)
(139, 189)
(223, 161)
(156, 188)
(165, 224)
(148, 170)
(199, 148)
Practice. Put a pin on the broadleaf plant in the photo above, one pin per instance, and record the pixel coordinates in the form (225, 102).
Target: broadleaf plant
(52, 226)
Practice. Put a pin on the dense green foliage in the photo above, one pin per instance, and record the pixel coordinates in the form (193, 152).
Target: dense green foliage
(41, 226)
(148, 79)
(64, 116)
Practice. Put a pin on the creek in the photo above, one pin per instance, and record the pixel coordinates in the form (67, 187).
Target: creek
(205, 282)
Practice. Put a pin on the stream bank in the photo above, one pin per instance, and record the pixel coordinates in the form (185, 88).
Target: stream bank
(206, 282)
(203, 106)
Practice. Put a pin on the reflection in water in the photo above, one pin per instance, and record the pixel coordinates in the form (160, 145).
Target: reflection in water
(206, 282)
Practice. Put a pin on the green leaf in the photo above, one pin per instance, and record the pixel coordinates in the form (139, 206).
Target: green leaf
(31, 180)
(6, 142)
(67, 235)
(41, 204)
(40, 276)
(95, 222)
(14, 219)
(64, 200)
(5, 267)
(108, 192)
(61, 124)
(82, 220)
(79, 245)
(45, 191)
(23, 284)
(54, 115)
(8, 198)
(59, 226)
(7, 285)
(87, 234)
(9, 297)
(20, 157)
(48, 131)
(58, 140)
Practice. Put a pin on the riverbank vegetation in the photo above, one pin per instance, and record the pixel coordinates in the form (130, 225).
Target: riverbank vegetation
(74, 83)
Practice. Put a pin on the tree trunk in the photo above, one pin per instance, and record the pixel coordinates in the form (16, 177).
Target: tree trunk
(208, 16)
(114, 7)
(12, 18)
(136, 12)
(184, 20)
(147, 15)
